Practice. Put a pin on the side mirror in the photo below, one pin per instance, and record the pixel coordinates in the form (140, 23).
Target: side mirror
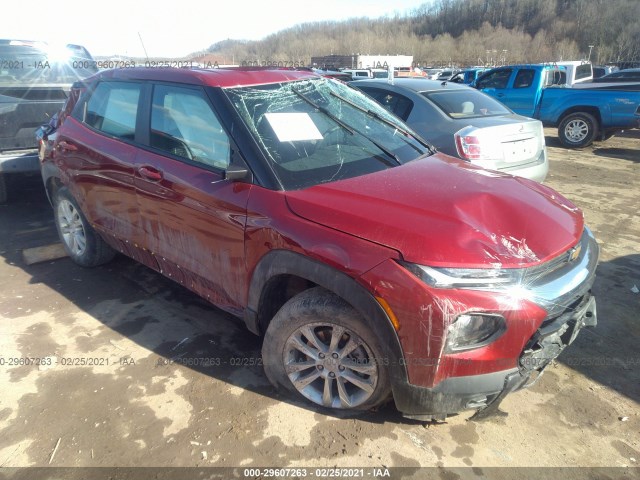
(236, 172)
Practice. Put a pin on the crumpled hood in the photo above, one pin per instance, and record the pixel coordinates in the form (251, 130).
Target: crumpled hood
(440, 211)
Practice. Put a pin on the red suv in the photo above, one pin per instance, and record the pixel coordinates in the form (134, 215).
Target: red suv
(372, 265)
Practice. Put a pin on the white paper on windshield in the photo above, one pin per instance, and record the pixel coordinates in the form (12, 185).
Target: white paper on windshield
(291, 127)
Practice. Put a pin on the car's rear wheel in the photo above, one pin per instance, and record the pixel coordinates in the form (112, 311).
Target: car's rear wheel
(80, 240)
(577, 130)
(318, 346)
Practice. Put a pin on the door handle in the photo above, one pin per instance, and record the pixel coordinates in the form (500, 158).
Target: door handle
(500, 95)
(64, 145)
(150, 173)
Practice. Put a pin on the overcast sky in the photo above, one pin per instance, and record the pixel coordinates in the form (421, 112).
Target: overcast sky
(111, 27)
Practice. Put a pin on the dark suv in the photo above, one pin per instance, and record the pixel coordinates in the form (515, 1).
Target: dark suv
(371, 264)
(35, 79)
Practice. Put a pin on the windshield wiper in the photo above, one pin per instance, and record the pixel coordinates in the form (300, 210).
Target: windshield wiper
(349, 129)
(387, 122)
(386, 151)
(323, 110)
(370, 112)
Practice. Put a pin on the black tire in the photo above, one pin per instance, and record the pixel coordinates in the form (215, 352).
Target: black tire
(323, 314)
(577, 130)
(3, 189)
(80, 240)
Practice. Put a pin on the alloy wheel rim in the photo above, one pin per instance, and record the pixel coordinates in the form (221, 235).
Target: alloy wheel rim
(330, 365)
(576, 130)
(71, 228)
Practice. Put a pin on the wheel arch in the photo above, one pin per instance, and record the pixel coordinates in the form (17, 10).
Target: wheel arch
(52, 186)
(590, 109)
(281, 274)
(51, 180)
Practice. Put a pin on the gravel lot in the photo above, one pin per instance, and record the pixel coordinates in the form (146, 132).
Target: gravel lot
(126, 387)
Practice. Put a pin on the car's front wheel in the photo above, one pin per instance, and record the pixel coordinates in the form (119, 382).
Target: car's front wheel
(318, 346)
(80, 240)
(578, 130)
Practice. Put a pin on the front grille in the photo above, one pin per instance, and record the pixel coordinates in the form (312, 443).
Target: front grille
(559, 284)
(538, 272)
(559, 316)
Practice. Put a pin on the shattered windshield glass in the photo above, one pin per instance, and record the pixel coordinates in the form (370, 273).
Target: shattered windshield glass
(318, 130)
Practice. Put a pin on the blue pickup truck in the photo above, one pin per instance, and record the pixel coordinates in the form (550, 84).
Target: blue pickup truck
(581, 115)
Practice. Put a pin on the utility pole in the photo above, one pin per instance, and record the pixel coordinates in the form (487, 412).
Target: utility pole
(590, 48)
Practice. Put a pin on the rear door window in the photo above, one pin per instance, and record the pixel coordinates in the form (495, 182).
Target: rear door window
(524, 78)
(113, 109)
(397, 104)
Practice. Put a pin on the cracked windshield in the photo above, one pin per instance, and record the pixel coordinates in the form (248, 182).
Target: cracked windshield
(319, 130)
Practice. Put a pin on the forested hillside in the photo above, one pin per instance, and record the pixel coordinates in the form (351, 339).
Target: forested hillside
(463, 32)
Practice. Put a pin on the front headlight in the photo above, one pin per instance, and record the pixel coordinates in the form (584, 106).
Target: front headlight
(476, 278)
(473, 330)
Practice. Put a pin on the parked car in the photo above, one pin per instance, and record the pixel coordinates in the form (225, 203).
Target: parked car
(628, 75)
(582, 114)
(343, 77)
(446, 75)
(465, 123)
(432, 73)
(35, 79)
(468, 75)
(379, 73)
(371, 264)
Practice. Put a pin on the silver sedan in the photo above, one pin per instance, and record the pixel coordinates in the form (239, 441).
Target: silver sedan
(465, 123)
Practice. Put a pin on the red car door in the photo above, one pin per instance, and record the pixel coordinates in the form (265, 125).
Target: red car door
(192, 219)
(96, 152)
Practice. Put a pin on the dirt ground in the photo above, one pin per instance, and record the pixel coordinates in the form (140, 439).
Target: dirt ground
(121, 380)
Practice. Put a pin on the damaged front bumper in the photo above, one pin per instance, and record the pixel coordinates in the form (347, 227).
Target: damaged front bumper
(565, 293)
(546, 344)
(486, 392)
